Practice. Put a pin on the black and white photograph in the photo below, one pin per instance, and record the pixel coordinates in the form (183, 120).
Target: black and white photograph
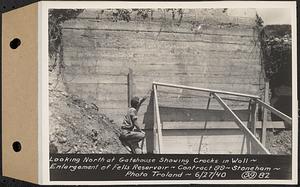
(149, 93)
(185, 81)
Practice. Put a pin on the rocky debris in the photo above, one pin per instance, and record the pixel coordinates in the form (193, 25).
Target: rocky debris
(78, 127)
(53, 148)
(62, 140)
(279, 142)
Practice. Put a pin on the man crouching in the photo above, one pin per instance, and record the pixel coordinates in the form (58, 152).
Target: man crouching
(131, 133)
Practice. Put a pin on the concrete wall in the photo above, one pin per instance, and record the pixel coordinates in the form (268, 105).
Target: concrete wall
(193, 141)
(209, 48)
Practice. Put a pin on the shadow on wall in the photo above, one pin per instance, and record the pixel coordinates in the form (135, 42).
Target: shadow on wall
(149, 124)
(188, 114)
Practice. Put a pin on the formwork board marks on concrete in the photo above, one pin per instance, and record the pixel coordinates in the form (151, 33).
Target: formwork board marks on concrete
(98, 53)
(204, 142)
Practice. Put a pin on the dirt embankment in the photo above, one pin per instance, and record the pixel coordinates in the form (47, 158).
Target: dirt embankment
(78, 127)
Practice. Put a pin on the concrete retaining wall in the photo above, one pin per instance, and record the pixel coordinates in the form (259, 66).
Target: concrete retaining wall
(209, 49)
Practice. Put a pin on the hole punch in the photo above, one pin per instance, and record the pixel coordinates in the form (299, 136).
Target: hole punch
(17, 146)
(15, 43)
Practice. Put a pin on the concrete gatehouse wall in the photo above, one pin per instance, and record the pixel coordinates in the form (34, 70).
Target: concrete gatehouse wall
(209, 48)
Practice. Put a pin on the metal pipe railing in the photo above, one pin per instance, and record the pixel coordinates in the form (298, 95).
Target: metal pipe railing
(215, 93)
(206, 90)
(241, 125)
(275, 111)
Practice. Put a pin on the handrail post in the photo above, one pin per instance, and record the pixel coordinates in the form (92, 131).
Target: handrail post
(248, 141)
(158, 122)
(155, 142)
(253, 113)
(265, 115)
(205, 125)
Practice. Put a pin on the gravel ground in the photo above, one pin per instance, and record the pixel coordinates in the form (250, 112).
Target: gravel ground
(279, 142)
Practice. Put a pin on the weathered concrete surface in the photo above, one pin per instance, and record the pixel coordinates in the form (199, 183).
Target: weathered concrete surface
(209, 49)
(205, 142)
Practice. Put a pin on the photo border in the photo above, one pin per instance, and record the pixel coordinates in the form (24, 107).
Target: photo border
(43, 102)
